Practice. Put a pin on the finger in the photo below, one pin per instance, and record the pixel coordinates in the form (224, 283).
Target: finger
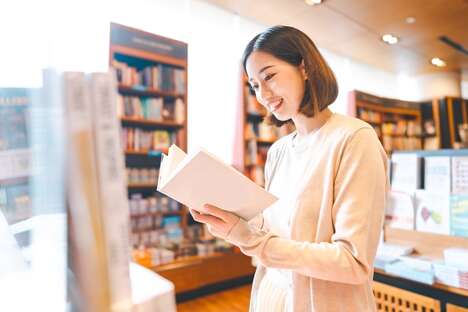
(217, 212)
(210, 220)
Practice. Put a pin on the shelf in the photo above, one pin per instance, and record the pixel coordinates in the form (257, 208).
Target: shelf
(152, 153)
(265, 142)
(146, 92)
(141, 185)
(444, 287)
(193, 272)
(166, 124)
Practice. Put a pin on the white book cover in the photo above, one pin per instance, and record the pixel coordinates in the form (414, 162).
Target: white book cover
(201, 178)
(432, 212)
(112, 187)
(400, 210)
(460, 174)
(87, 240)
(437, 174)
(405, 172)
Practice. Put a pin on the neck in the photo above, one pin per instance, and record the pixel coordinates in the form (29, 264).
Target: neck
(305, 125)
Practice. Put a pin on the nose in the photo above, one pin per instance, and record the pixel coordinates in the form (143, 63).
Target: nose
(263, 94)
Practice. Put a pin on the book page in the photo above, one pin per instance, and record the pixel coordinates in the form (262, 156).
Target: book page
(169, 163)
(202, 179)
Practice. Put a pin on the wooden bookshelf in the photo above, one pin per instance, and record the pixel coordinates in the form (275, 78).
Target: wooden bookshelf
(146, 61)
(438, 119)
(151, 123)
(398, 124)
(194, 272)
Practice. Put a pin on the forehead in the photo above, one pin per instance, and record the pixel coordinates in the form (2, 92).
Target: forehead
(258, 60)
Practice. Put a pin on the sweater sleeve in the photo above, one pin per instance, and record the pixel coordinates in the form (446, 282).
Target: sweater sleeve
(357, 212)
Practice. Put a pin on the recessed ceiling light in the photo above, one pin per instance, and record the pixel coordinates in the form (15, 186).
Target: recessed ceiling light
(390, 39)
(410, 20)
(438, 62)
(313, 2)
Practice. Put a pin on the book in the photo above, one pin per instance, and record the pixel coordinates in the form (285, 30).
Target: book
(460, 175)
(110, 166)
(405, 172)
(400, 210)
(459, 215)
(201, 178)
(437, 174)
(432, 212)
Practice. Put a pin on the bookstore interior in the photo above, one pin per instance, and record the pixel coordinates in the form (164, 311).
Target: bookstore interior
(112, 126)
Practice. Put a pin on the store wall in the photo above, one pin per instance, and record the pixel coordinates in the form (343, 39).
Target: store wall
(74, 35)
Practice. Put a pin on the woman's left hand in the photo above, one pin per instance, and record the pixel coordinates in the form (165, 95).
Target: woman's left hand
(219, 222)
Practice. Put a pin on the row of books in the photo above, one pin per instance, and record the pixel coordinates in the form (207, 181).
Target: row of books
(136, 139)
(392, 143)
(262, 131)
(15, 202)
(442, 174)
(13, 124)
(451, 270)
(140, 205)
(160, 77)
(158, 109)
(255, 154)
(402, 127)
(142, 175)
(256, 174)
(429, 194)
(428, 211)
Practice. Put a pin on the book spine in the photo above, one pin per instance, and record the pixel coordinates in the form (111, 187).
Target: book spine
(112, 187)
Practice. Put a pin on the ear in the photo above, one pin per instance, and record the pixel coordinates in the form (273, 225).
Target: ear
(302, 69)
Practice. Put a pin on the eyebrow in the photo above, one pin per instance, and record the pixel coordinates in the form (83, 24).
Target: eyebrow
(263, 69)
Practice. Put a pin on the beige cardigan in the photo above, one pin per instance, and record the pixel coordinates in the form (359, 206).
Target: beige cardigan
(336, 221)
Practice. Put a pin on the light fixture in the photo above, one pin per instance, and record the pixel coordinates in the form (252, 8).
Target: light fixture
(390, 39)
(438, 62)
(410, 20)
(313, 2)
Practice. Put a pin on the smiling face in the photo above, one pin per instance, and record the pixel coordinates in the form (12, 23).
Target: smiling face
(278, 85)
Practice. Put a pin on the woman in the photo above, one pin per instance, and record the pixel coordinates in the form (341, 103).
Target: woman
(316, 245)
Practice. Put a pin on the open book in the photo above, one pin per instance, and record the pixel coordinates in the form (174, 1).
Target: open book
(200, 178)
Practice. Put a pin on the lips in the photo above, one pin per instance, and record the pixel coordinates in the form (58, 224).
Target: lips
(275, 105)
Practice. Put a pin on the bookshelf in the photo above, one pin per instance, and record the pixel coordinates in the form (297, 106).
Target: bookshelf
(15, 154)
(257, 136)
(152, 86)
(403, 125)
(152, 76)
(398, 124)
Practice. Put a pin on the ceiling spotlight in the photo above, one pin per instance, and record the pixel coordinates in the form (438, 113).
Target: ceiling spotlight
(390, 39)
(313, 2)
(410, 20)
(438, 62)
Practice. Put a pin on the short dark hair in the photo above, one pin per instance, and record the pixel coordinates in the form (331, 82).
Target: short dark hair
(293, 46)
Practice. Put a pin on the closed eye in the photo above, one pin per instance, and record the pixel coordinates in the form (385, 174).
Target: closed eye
(269, 76)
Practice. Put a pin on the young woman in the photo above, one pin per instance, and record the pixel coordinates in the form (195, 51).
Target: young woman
(316, 245)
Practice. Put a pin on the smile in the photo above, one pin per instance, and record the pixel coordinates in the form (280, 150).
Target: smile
(274, 106)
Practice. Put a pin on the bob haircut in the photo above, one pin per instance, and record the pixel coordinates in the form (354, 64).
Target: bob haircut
(293, 46)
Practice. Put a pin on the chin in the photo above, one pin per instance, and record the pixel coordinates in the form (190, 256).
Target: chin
(282, 117)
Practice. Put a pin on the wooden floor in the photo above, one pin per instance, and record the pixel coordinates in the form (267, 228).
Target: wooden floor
(231, 300)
